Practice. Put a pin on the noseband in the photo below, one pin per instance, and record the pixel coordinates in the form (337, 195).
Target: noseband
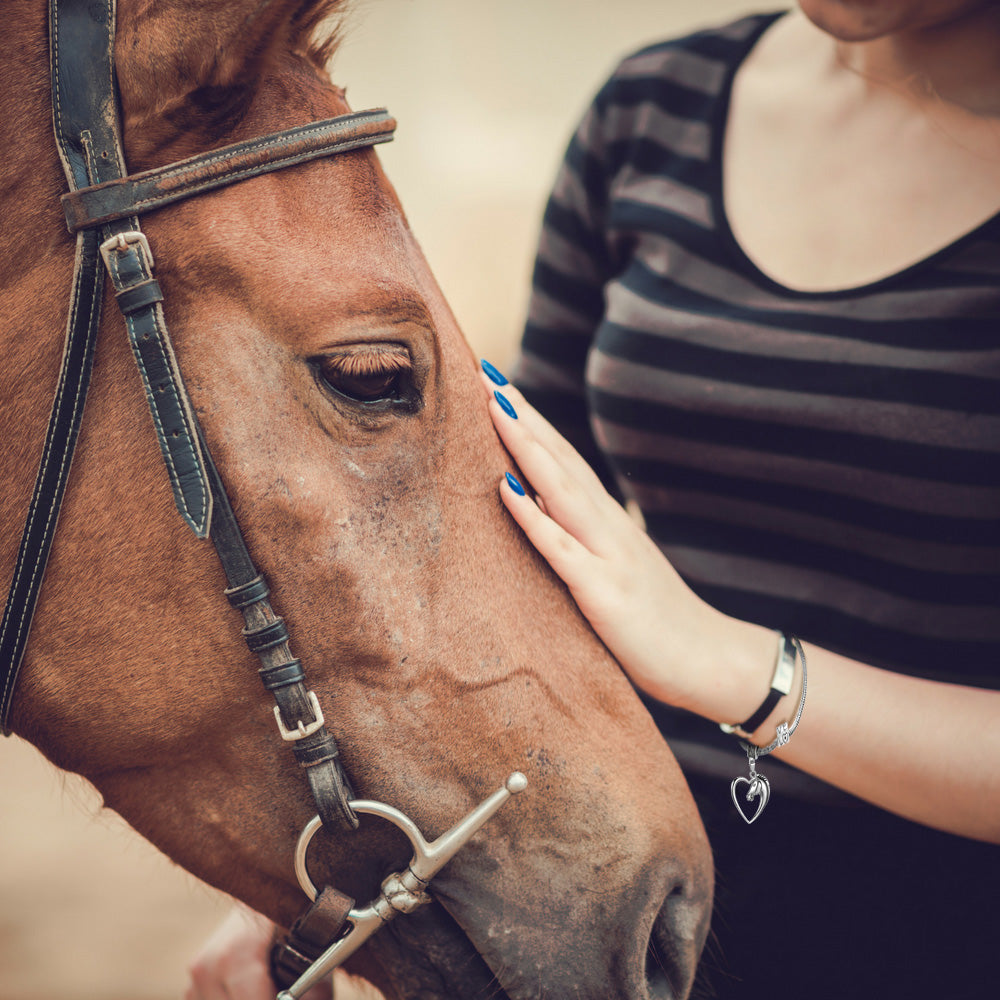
(102, 208)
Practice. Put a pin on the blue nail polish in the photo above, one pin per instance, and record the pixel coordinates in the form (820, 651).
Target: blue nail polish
(505, 404)
(515, 485)
(491, 373)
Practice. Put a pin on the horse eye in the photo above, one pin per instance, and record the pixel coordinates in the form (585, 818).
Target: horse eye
(364, 388)
(366, 378)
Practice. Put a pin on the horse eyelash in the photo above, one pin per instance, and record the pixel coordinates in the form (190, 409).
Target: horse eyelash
(367, 363)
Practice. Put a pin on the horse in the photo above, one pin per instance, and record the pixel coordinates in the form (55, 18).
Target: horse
(341, 406)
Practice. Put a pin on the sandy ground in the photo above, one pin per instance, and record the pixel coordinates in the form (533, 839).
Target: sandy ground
(486, 94)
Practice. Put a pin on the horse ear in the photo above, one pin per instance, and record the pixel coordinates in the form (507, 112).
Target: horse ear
(184, 61)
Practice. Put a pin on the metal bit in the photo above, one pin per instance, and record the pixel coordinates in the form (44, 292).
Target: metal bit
(401, 892)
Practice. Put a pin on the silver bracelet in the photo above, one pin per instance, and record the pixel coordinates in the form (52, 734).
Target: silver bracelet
(781, 684)
(758, 786)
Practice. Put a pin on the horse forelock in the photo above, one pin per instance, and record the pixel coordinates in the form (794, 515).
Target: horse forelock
(321, 25)
(190, 70)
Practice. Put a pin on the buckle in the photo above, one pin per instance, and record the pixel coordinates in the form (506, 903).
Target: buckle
(120, 242)
(302, 730)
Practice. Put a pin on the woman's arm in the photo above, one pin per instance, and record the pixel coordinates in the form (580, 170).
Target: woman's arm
(926, 750)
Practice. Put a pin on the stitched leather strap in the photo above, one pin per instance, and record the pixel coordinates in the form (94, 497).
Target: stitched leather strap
(143, 192)
(267, 636)
(202, 500)
(129, 264)
(53, 470)
(88, 55)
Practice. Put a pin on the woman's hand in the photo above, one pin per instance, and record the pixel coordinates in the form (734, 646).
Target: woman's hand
(924, 749)
(671, 643)
(233, 963)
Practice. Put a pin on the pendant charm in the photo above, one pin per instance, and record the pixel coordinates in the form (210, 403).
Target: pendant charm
(758, 788)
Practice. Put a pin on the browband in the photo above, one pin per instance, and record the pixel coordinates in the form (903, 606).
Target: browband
(136, 194)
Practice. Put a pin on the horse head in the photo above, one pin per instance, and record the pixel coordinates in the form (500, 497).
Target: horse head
(342, 408)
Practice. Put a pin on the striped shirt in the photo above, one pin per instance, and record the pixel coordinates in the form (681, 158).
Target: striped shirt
(823, 463)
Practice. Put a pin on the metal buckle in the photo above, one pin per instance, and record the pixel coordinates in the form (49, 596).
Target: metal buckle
(302, 730)
(120, 242)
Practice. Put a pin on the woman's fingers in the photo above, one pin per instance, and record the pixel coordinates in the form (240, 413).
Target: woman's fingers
(542, 431)
(563, 552)
(602, 586)
(566, 487)
(232, 964)
(562, 496)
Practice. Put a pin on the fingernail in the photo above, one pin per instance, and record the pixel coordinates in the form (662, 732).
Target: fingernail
(505, 404)
(491, 373)
(515, 485)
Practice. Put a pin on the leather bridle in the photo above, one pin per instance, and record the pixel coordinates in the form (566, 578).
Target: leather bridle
(102, 208)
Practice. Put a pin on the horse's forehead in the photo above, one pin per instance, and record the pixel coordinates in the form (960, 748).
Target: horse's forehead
(299, 251)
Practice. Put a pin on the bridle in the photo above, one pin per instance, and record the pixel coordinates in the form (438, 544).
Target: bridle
(102, 208)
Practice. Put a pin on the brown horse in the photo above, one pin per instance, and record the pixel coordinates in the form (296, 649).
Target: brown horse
(342, 407)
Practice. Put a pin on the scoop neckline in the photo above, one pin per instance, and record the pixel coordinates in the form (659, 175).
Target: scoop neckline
(720, 122)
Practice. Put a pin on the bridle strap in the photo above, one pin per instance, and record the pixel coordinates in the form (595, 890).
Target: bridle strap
(122, 197)
(53, 470)
(87, 133)
(73, 125)
(129, 262)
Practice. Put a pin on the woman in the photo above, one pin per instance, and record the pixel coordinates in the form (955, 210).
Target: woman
(765, 312)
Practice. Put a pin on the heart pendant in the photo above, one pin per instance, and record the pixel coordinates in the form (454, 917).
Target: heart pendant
(758, 789)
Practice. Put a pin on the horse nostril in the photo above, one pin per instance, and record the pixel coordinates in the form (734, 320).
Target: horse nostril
(657, 980)
(675, 944)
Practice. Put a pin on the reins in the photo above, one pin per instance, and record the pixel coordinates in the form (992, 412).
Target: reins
(103, 208)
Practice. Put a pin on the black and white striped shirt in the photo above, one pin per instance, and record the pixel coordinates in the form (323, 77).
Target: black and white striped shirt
(824, 463)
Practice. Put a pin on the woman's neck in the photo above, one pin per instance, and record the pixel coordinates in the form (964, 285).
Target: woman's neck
(956, 62)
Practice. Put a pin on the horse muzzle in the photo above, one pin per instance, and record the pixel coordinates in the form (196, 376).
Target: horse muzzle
(633, 936)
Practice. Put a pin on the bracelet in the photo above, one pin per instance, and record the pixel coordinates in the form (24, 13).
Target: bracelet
(758, 786)
(781, 684)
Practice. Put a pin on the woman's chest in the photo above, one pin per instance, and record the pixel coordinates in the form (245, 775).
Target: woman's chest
(826, 191)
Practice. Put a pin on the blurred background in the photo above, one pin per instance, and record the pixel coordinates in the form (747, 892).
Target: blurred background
(486, 94)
